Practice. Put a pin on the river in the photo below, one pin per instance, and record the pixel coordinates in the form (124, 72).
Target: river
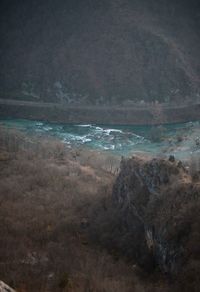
(179, 140)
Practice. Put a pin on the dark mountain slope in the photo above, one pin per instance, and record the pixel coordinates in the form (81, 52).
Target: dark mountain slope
(100, 52)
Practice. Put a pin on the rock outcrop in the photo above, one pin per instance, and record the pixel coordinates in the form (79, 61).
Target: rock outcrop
(5, 288)
(159, 204)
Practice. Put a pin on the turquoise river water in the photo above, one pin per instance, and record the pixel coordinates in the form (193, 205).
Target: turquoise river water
(177, 139)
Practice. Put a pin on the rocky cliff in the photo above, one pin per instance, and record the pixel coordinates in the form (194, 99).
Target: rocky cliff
(159, 205)
(100, 52)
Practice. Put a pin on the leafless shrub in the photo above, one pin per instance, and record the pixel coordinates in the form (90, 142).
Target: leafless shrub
(194, 164)
(99, 160)
(156, 134)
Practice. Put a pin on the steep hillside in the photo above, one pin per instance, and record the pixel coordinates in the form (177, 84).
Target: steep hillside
(46, 199)
(100, 52)
(153, 218)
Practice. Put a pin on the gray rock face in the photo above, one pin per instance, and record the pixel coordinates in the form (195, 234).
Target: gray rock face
(160, 206)
(5, 288)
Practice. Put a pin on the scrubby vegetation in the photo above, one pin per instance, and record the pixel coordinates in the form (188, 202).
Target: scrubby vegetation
(47, 195)
(156, 134)
(60, 229)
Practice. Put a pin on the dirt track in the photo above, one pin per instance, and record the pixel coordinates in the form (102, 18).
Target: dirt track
(135, 115)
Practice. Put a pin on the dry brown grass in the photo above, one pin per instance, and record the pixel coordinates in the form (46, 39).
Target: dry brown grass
(47, 196)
